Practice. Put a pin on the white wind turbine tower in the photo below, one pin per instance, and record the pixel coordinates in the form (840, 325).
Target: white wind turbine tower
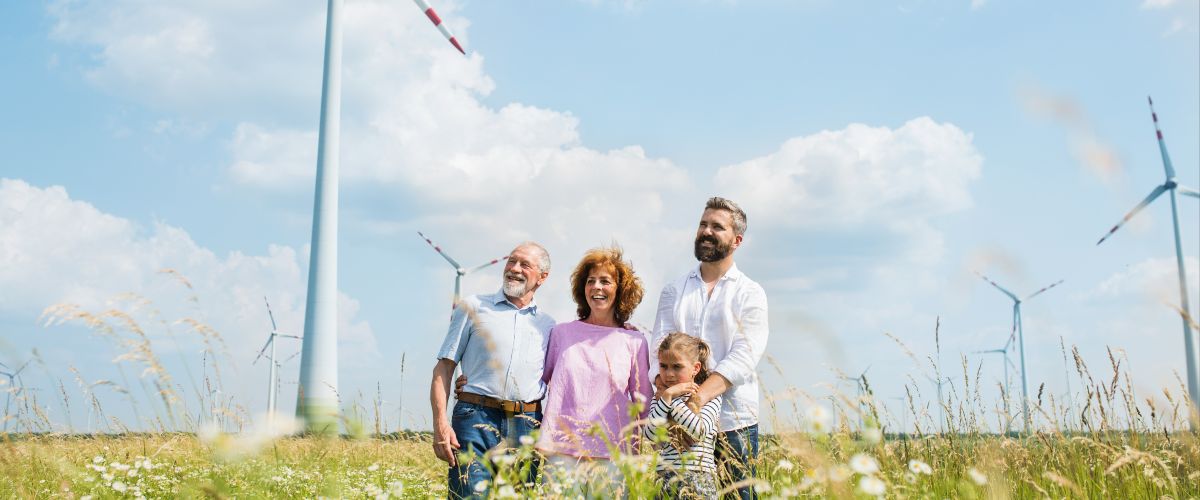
(1007, 362)
(1172, 185)
(941, 404)
(275, 364)
(1019, 330)
(13, 376)
(458, 269)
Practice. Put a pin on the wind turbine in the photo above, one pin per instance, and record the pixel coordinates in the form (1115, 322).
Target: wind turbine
(860, 386)
(1019, 331)
(437, 21)
(938, 382)
(458, 269)
(1172, 185)
(275, 364)
(12, 376)
(1007, 362)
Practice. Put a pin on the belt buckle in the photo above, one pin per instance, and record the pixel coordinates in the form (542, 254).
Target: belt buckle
(509, 406)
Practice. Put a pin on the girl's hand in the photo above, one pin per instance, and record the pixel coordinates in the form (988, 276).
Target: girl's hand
(670, 393)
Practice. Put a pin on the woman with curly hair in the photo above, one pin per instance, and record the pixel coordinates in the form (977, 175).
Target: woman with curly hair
(595, 371)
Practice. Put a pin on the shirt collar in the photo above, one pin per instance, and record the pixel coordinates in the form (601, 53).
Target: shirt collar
(499, 298)
(732, 274)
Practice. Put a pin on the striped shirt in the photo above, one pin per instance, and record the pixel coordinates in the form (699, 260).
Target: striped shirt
(703, 428)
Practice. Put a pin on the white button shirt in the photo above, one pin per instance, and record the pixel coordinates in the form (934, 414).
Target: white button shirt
(733, 320)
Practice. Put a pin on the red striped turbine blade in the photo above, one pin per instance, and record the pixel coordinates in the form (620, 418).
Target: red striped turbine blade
(437, 21)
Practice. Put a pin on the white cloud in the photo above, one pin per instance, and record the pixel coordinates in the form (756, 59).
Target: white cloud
(978, 4)
(1155, 279)
(859, 175)
(55, 249)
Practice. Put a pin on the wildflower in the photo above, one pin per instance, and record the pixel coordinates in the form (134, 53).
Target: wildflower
(106, 476)
(785, 464)
(819, 419)
(132, 473)
(98, 459)
(209, 433)
(839, 473)
(85, 497)
(504, 459)
(977, 476)
(910, 478)
(872, 485)
(396, 488)
(507, 491)
(481, 486)
(872, 435)
(762, 487)
(526, 440)
(120, 466)
(277, 479)
(373, 467)
(119, 486)
(919, 467)
(864, 464)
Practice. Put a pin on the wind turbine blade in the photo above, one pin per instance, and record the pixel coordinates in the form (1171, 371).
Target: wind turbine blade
(989, 351)
(481, 266)
(289, 358)
(1187, 191)
(288, 336)
(1162, 146)
(440, 252)
(1153, 194)
(1052, 285)
(264, 349)
(19, 370)
(998, 287)
(437, 21)
(269, 313)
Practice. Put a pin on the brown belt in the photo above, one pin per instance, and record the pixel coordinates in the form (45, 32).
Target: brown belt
(499, 404)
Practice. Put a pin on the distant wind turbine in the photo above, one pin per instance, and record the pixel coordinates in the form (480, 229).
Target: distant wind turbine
(1007, 362)
(941, 405)
(275, 363)
(860, 386)
(13, 376)
(458, 269)
(1019, 330)
(1172, 185)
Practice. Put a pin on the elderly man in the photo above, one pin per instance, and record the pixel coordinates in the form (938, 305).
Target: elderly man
(500, 341)
(719, 304)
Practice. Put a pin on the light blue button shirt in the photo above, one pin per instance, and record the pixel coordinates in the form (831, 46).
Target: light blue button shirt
(501, 349)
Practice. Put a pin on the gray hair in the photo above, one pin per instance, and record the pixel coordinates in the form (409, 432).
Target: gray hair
(543, 255)
(739, 217)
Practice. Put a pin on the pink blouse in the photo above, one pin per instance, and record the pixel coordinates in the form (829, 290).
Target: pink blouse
(593, 375)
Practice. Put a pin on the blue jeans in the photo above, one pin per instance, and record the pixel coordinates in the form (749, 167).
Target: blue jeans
(736, 453)
(478, 430)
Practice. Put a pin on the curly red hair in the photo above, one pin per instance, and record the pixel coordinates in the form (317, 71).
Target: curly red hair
(629, 286)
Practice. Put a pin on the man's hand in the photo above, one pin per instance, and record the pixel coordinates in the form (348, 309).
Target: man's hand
(459, 383)
(445, 443)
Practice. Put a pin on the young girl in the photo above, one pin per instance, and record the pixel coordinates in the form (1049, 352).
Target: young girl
(686, 466)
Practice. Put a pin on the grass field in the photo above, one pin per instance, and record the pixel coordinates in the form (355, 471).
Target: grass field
(1107, 442)
(1102, 465)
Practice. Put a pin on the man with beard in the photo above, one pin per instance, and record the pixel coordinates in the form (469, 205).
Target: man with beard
(500, 340)
(725, 308)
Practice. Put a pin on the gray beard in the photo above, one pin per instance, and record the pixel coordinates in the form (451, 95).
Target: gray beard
(515, 289)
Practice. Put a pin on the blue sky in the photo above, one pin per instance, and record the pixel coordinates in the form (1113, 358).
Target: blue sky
(882, 151)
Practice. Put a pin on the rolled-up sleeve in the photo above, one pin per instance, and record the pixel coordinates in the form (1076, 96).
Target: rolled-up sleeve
(750, 341)
(457, 335)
